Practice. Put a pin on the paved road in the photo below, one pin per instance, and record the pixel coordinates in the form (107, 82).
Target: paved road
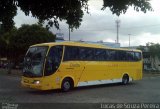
(144, 91)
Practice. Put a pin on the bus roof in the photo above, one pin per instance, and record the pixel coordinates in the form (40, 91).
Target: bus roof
(82, 44)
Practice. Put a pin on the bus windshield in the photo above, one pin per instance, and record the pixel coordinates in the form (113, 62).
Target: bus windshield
(34, 61)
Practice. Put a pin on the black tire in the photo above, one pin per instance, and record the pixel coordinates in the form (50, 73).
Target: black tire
(66, 85)
(125, 80)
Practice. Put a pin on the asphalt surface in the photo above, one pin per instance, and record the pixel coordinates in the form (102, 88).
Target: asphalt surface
(143, 91)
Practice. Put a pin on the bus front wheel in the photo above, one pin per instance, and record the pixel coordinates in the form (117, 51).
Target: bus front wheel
(66, 85)
(125, 79)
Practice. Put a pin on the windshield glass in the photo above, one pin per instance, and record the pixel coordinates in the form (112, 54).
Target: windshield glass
(34, 60)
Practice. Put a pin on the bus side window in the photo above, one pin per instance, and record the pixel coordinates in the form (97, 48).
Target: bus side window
(89, 54)
(111, 55)
(130, 56)
(86, 54)
(71, 53)
(100, 55)
(121, 55)
(53, 60)
(83, 54)
(137, 56)
(107, 55)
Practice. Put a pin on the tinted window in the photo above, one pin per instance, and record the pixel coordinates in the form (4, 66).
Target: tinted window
(71, 53)
(53, 60)
(93, 54)
(137, 56)
(130, 56)
(100, 54)
(118, 55)
(111, 55)
(107, 55)
(86, 53)
(121, 55)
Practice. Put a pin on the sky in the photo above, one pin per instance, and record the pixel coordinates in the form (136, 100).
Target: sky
(100, 25)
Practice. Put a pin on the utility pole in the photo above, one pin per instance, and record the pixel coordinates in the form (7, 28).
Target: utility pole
(69, 17)
(129, 39)
(69, 33)
(117, 26)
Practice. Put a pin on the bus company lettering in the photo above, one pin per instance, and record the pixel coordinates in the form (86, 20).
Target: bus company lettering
(74, 65)
(112, 65)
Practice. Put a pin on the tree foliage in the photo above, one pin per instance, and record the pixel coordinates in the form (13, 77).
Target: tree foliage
(17, 41)
(120, 6)
(70, 10)
(5, 42)
(28, 35)
(8, 10)
(154, 50)
(141, 48)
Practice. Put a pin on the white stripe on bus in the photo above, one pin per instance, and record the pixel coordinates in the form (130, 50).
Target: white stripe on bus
(97, 82)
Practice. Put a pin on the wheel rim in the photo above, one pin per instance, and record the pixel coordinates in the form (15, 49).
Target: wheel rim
(125, 80)
(66, 85)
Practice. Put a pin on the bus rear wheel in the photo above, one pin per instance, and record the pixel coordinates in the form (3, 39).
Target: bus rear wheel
(125, 79)
(66, 85)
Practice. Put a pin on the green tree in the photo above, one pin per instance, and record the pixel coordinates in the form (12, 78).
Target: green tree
(8, 10)
(120, 6)
(5, 41)
(15, 43)
(69, 10)
(26, 36)
(141, 48)
(154, 50)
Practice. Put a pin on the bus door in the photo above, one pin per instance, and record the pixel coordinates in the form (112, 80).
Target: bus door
(53, 60)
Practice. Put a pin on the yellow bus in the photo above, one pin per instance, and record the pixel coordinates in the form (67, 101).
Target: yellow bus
(65, 65)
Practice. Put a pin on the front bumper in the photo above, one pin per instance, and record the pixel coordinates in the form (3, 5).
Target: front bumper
(33, 86)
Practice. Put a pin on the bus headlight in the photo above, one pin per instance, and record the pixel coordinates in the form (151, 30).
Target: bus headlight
(36, 82)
